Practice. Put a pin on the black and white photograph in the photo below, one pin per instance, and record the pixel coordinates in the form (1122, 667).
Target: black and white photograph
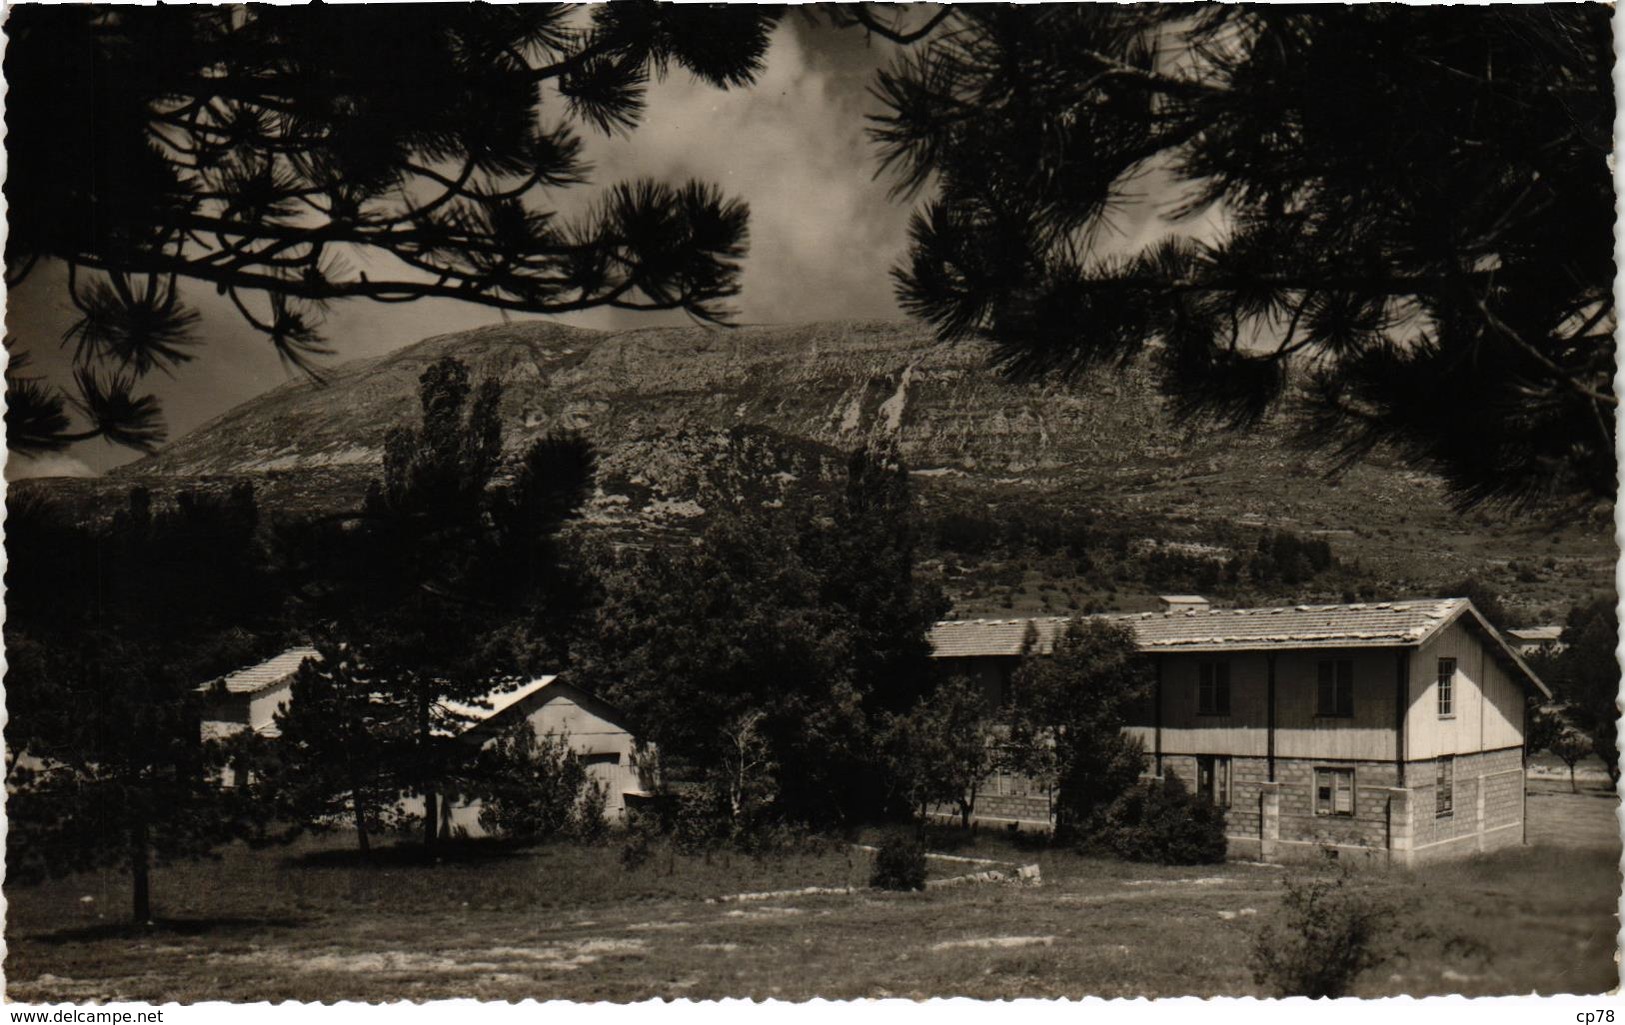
(674, 502)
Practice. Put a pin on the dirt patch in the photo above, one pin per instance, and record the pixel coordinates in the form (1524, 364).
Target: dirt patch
(995, 943)
(459, 962)
(760, 913)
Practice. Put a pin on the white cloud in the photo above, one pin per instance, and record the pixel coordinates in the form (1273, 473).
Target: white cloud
(51, 464)
(823, 234)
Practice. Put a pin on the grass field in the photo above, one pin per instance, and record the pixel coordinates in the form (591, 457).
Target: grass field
(570, 923)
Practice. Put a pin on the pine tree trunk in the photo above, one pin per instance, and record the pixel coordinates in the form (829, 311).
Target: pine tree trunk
(431, 810)
(139, 870)
(1574, 788)
(360, 805)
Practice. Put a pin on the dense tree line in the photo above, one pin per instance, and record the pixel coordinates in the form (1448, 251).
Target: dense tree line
(778, 639)
(110, 630)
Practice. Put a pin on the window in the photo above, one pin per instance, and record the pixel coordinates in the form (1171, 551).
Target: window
(1336, 688)
(1447, 687)
(1334, 792)
(1213, 778)
(1213, 688)
(1444, 795)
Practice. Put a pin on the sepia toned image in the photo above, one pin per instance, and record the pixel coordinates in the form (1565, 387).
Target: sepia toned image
(674, 501)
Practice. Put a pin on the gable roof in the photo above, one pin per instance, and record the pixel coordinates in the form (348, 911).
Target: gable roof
(470, 718)
(1406, 624)
(493, 703)
(263, 675)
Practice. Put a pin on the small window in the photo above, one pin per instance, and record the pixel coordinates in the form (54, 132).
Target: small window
(1213, 778)
(1334, 792)
(1444, 799)
(1213, 688)
(1447, 687)
(1336, 688)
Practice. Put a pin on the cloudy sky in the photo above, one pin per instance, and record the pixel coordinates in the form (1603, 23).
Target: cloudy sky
(823, 232)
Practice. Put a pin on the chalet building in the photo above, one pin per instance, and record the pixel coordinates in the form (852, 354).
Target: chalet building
(249, 699)
(1393, 729)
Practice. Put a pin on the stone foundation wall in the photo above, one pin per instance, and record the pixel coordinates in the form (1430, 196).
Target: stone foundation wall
(1276, 821)
(1487, 809)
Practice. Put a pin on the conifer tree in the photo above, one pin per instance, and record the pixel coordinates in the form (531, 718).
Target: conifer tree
(111, 631)
(292, 157)
(340, 747)
(1414, 209)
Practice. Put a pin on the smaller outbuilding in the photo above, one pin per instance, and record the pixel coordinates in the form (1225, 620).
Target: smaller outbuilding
(1536, 640)
(250, 698)
(595, 730)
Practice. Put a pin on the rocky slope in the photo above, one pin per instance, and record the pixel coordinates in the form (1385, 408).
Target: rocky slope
(688, 418)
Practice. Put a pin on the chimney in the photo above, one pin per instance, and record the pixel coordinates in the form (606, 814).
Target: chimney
(1183, 603)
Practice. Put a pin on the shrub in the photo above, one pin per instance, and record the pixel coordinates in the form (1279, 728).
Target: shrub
(900, 865)
(1163, 823)
(588, 822)
(700, 822)
(1326, 934)
(529, 787)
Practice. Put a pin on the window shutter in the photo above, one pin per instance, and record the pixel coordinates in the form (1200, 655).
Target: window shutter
(1345, 792)
(1328, 698)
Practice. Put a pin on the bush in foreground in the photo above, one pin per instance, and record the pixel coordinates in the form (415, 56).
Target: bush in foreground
(1164, 823)
(900, 865)
(1326, 934)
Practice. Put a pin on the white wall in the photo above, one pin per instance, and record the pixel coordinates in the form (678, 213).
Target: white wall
(1487, 706)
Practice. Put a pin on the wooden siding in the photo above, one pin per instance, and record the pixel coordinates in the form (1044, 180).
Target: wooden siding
(592, 736)
(1242, 732)
(1487, 712)
(1299, 731)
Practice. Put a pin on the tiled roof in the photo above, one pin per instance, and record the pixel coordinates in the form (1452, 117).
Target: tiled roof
(1366, 625)
(266, 674)
(1374, 625)
(962, 638)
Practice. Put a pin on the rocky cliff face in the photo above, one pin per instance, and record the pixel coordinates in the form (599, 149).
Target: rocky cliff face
(654, 400)
(689, 418)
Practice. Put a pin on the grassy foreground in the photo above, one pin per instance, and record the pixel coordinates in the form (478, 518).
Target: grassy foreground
(569, 923)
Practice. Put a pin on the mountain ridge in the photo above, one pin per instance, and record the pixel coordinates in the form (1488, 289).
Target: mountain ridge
(689, 418)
